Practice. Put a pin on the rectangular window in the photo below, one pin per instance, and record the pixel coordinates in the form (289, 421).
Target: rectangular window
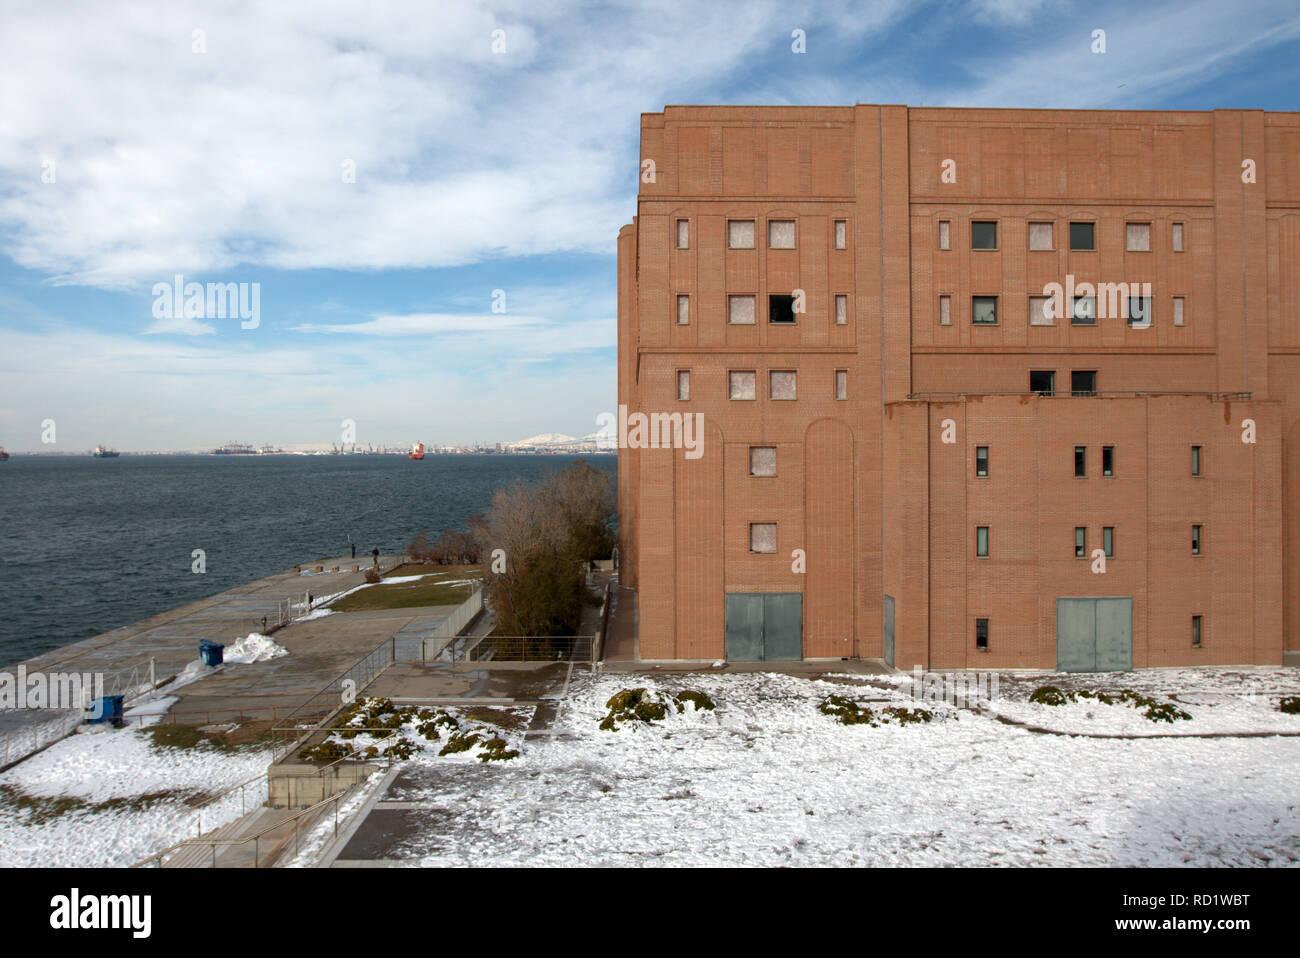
(740, 234)
(1108, 541)
(1137, 237)
(841, 310)
(762, 537)
(982, 462)
(984, 310)
(1083, 236)
(945, 240)
(841, 384)
(1139, 311)
(982, 634)
(683, 384)
(983, 234)
(742, 385)
(683, 234)
(945, 310)
(1083, 382)
(1041, 309)
(1108, 460)
(762, 460)
(780, 309)
(1176, 237)
(1196, 461)
(781, 383)
(1081, 542)
(841, 234)
(1196, 631)
(780, 234)
(740, 310)
(982, 541)
(1040, 236)
(1178, 310)
(1196, 540)
(1083, 311)
(1042, 381)
(1080, 462)
(683, 309)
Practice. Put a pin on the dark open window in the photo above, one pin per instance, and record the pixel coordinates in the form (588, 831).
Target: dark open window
(982, 634)
(1139, 311)
(1080, 542)
(1083, 382)
(1196, 631)
(983, 234)
(1083, 236)
(1196, 460)
(1080, 461)
(1196, 540)
(1108, 460)
(780, 309)
(982, 461)
(1042, 381)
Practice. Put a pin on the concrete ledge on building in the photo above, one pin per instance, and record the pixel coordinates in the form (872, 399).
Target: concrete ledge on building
(1291, 659)
(301, 785)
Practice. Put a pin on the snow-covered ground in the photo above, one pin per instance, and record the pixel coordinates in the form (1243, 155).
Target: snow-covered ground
(769, 780)
(135, 794)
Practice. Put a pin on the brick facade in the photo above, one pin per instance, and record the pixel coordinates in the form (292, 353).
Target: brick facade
(866, 487)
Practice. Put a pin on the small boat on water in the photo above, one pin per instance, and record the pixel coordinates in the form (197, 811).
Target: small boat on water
(417, 451)
(3, 455)
(103, 452)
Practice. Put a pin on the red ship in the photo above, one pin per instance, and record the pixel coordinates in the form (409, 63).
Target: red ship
(417, 451)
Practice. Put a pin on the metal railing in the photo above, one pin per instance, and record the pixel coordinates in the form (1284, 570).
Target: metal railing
(528, 648)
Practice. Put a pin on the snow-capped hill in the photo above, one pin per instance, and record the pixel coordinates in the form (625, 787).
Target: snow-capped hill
(545, 439)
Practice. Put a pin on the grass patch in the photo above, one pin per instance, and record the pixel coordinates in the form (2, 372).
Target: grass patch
(247, 735)
(430, 590)
(1153, 710)
(40, 809)
(644, 706)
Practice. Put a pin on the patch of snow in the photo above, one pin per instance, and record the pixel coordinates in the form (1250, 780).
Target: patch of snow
(253, 647)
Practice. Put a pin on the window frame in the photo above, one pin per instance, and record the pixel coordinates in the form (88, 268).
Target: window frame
(1092, 225)
(792, 372)
(753, 297)
(839, 227)
(776, 548)
(988, 536)
(794, 230)
(1198, 539)
(1051, 230)
(753, 224)
(683, 222)
(984, 249)
(943, 235)
(1198, 461)
(841, 299)
(762, 475)
(1083, 393)
(1081, 462)
(771, 302)
(683, 298)
(1081, 542)
(1108, 452)
(1042, 392)
(975, 322)
(1198, 630)
(740, 372)
(1108, 541)
(841, 376)
(1148, 224)
(680, 373)
(978, 620)
(985, 473)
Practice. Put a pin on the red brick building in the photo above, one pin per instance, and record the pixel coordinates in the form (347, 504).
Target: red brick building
(905, 453)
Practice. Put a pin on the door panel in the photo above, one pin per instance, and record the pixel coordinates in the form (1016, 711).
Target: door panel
(1076, 635)
(745, 627)
(1114, 635)
(782, 626)
(889, 630)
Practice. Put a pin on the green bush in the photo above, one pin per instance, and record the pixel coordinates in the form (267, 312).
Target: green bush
(1048, 695)
(846, 710)
(1153, 710)
(640, 705)
(1290, 705)
(701, 701)
(461, 742)
(494, 750)
(324, 752)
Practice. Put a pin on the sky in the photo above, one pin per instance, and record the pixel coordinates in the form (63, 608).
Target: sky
(426, 196)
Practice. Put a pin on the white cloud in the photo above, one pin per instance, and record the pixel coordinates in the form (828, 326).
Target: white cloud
(422, 324)
(181, 326)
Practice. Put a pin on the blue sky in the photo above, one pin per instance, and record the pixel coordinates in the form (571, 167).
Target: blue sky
(475, 171)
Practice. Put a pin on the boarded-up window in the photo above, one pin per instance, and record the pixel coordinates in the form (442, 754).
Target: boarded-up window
(762, 460)
(762, 537)
(1041, 309)
(1178, 310)
(742, 385)
(1040, 236)
(740, 234)
(841, 384)
(782, 383)
(841, 310)
(945, 310)
(740, 310)
(945, 237)
(683, 234)
(780, 234)
(1138, 237)
(841, 234)
(1176, 237)
(683, 384)
(683, 310)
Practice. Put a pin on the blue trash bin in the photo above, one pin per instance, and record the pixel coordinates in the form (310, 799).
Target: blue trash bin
(106, 708)
(212, 653)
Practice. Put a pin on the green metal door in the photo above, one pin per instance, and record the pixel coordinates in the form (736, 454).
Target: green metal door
(764, 626)
(1094, 634)
(782, 626)
(744, 627)
(1114, 635)
(889, 630)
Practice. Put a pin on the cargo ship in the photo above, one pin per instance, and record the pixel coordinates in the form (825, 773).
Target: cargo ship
(103, 452)
(417, 451)
(235, 449)
(3, 455)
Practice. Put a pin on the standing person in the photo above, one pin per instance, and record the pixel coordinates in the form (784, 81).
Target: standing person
(375, 553)
(354, 550)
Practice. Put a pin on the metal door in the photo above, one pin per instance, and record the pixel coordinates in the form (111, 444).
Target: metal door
(744, 627)
(1114, 635)
(782, 626)
(1094, 634)
(889, 630)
